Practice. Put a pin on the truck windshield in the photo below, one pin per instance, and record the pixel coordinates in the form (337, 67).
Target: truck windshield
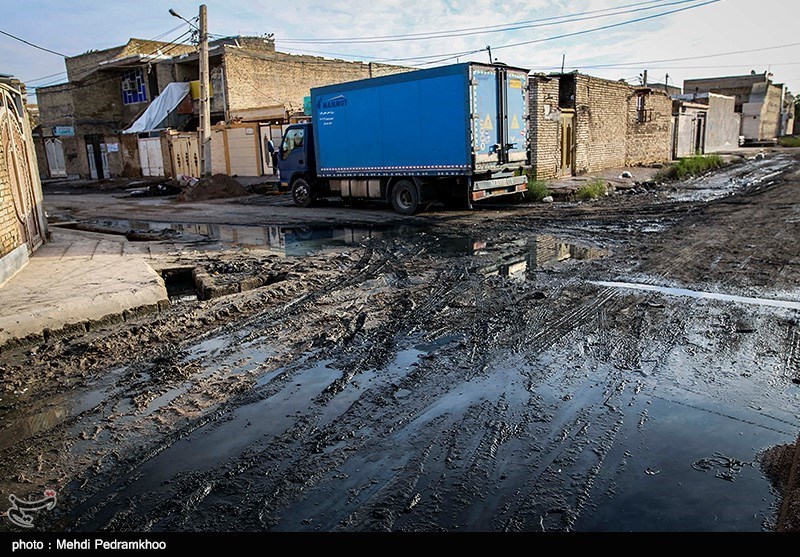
(293, 140)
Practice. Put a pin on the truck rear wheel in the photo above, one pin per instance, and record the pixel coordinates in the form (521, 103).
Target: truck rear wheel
(301, 193)
(405, 197)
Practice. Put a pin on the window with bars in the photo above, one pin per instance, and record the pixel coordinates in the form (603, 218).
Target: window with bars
(643, 114)
(133, 87)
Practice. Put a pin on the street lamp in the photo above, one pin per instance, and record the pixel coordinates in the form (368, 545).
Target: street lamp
(173, 13)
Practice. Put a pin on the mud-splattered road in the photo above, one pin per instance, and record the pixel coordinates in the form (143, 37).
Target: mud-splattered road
(470, 374)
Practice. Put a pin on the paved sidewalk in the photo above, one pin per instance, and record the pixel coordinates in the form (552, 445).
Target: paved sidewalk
(78, 280)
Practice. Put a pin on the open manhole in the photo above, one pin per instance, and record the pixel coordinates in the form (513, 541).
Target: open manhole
(180, 284)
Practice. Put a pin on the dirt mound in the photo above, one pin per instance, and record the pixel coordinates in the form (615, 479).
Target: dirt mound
(216, 187)
(781, 464)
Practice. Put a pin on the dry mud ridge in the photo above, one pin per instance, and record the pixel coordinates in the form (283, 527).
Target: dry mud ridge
(469, 375)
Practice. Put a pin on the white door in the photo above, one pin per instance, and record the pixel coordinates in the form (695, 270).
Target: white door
(55, 157)
(92, 164)
(150, 157)
(104, 158)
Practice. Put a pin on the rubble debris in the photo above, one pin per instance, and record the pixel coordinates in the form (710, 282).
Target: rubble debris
(217, 186)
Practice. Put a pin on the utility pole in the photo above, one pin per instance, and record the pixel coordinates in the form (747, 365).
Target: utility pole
(489, 49)
(205, 101)
(644, 78)
(563, 61)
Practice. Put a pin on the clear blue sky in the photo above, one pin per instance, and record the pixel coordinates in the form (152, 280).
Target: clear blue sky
(72, 27)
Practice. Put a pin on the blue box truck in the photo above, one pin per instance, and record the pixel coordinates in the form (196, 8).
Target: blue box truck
(456, 133)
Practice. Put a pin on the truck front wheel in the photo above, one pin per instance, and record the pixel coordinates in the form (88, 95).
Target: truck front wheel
(301, 193)
(405, 198)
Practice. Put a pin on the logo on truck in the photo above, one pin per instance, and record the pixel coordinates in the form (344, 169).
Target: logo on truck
(335, 102)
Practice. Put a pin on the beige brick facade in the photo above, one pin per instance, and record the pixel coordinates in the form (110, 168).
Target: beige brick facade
(616, 124)
(259, 78)
(22, 220)
(545, 144)
(10, 236)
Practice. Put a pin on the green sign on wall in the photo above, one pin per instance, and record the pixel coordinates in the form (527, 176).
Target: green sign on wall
(307, 106)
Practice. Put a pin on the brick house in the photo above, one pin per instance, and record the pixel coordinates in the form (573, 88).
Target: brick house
(22, 220)
(79, 121)
(761, 103)
(581, 124)
(252, 85)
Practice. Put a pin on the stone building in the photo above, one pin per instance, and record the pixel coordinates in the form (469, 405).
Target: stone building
(81, 121)
(581, 124)
(760, 102)
(22, 220)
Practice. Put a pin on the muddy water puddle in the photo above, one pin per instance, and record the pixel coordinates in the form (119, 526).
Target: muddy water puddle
(23, 418)
(733, 179)
(513, 257)
(682, 462)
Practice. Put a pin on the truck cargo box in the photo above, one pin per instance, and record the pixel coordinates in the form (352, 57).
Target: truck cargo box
(462, 119)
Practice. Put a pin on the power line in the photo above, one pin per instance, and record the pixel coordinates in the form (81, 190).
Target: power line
(32, 44)
(174, 42)
(443, 57)
(44, 77)
(156, 38)
(527, 24)
(684, 59)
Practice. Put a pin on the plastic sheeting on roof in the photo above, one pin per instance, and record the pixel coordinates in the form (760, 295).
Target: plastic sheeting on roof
(159, 109)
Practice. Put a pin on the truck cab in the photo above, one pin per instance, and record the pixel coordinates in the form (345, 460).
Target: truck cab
(296, 163)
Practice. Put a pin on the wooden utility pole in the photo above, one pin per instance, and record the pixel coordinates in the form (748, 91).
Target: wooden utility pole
(205, 100)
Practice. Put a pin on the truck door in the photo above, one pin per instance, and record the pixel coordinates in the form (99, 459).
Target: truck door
(486, 138)
(293, 159)
(516, 112)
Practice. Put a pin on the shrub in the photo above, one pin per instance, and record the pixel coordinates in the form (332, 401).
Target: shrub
(688, 167)
(790, 141)
(537, 190)
(592, 190)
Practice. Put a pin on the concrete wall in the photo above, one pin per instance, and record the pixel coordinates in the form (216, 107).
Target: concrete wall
(685, 131)
(770, 127)
(545, 129)
(722, 125)
(738, 86)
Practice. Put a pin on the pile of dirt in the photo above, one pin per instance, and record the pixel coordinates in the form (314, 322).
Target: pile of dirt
(781, 464)
(217, 187)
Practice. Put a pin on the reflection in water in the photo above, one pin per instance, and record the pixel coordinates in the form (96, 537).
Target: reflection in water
(515, 257)
(537, 252)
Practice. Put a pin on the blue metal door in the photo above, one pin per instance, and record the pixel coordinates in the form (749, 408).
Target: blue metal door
(486, 141)
(516, 128)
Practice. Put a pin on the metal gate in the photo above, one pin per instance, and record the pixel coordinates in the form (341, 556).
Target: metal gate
(22, 173)
(54, 151)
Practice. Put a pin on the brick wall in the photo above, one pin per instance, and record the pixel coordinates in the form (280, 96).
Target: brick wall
(10, 236)
(545, 143)
(601, 129)
(608, 130)
(259, 79)
(771, 113)
(651, 141)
